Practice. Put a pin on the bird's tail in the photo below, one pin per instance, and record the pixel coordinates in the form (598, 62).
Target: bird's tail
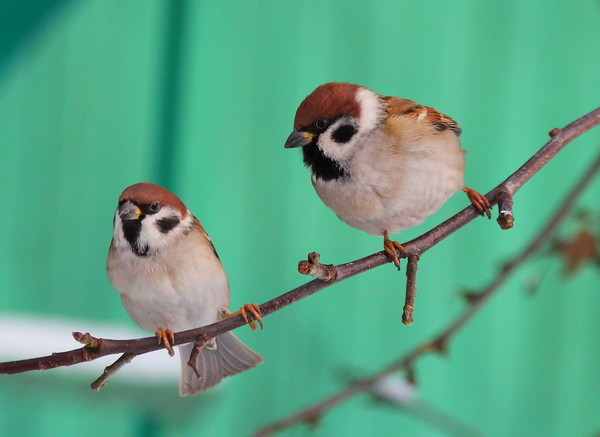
(229, 357)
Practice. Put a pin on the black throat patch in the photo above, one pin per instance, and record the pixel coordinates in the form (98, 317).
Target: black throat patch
(131, 231)
(322, 166)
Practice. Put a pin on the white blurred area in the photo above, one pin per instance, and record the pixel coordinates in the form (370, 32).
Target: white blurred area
(24, 336)
(397, 390)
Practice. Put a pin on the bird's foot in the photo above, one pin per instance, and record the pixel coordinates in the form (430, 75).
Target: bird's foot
(391, 248)
(253, 309)
(478, 201)
(166, 337)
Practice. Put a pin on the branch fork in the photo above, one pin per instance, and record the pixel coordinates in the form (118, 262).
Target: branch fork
(111, 370)
(312, 267)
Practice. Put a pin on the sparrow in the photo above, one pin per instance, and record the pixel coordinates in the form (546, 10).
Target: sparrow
(382, 164)
(170, 278)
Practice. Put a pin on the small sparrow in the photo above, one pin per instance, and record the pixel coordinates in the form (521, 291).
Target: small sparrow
(164, 265)
(382, 164)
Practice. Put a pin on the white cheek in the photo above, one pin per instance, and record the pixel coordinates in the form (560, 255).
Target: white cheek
(372, 113)
(337, 151)
(371, 110)
(152, 236)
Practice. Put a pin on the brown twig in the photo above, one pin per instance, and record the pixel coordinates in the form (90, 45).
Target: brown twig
(111, 370)
(196, 350)
(87, 339)
(440, 342)
(416, 247)
(505, 214)
(313, 267)
(411, 289)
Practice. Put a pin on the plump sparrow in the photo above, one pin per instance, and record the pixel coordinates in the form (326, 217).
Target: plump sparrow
(164, 265)
(382, 164)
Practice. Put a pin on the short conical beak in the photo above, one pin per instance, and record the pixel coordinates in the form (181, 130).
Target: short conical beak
(298, 139)
(128, 211)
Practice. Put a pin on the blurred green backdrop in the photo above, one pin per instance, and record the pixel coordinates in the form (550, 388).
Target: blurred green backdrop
(200, 96)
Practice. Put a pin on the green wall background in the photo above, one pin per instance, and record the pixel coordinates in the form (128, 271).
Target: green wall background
(199, 96)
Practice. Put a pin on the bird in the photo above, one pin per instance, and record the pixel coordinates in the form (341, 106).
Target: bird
(381, 163)
(170, 278)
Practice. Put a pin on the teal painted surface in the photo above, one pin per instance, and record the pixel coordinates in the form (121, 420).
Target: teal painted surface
(200, 97)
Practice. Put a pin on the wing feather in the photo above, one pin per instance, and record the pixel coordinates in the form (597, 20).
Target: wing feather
(399, 107)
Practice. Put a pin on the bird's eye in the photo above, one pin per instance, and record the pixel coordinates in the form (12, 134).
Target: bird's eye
(321, 123)
(155, 207)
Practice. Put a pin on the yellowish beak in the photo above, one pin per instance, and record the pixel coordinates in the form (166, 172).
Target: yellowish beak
(128, 211)
(298, 139)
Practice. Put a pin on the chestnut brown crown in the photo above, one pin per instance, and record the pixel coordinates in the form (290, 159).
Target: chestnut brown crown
(147, 192)
(328, 101)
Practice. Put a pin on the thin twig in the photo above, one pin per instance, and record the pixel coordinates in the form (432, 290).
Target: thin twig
(196, 350)
(111, 370)
(416, 247)
(505, 213)
(439, 343)
(411, 289)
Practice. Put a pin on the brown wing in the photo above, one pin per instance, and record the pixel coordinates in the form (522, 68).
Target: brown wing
(198, 225)
(397, 106)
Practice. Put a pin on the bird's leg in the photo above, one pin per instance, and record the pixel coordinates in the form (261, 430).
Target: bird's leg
(166, 337)
(478, 201)
(390, 248)
(253, 309)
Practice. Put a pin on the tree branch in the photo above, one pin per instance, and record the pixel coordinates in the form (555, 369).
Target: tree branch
(411, 289)
(111, 370)
(440, 342)
(505, 213)
(98, 347)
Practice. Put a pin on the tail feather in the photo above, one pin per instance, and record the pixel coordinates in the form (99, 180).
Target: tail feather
(230, 357)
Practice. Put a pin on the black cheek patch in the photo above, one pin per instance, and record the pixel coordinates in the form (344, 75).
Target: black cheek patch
(167, 223)
(343, 134)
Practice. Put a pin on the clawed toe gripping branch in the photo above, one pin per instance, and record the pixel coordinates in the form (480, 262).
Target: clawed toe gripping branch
(327, 275)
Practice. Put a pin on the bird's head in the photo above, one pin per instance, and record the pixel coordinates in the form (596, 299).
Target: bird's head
(149, 218)
(330, 124)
